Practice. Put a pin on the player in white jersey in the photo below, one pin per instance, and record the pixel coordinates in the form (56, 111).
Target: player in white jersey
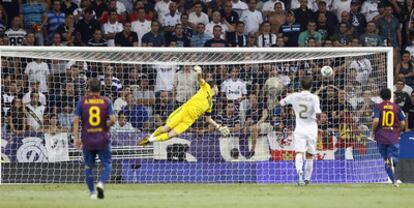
(307, 109)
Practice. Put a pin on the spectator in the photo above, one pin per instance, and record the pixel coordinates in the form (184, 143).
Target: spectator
(239, 6)
(35, 112)
(126, 37)
(199, 38)
(141, 25)
(34, 87)
(303, 14)
(86, 27)
(216, 20)
(290, 30)
(122, 124)
(67, 97)
(79, 80)
(198, 16)
(179, 37)
(369, 9)
(15, 34)
(55, 18)
(331, 18)
(165, 77)
(185, 85)
(342, 36)
(339, 6)
(16, 117)
(67, 30)
(251, 40)
(97, 40)
(310, 32)
(357, 19)
(323, 27)
(234, 88)
(53, 126)
(229, 14)
(8, 95)
(136, 113)
(389, 27)
(30, 39)
(84, 5)
(406, 88)
(109, 90)
(163, 108)
(216, 41)
(269, 7)
(153, 37)
(169, 20)
(148, 10)
(38, 70)
(65, 116)
(56, 40)
(120, 102)
(277, 18)
(187, 26)
(34, 15)
(231, 119)
(145, 95)
(410, 49)
(406, 67)
(401, 97)
(409, 110)
(266, 38)
(111, 28)
(108, 72)
(68, 7)
(370, 38)
(4, 23)
(238, 38)
(162, 7)
(251, 17)
(118, 7)
(257, 121)
(363, 68)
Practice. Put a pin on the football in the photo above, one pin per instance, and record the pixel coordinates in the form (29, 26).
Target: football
(326, 71)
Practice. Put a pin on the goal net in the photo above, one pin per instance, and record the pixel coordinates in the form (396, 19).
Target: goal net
(41, 85)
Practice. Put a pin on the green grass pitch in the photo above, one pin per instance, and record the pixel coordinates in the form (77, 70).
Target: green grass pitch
(210, 196)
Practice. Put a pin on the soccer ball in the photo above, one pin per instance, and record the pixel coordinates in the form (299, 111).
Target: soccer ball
(326, 71)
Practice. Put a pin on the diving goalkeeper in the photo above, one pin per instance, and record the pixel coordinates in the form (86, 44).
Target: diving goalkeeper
(183, 117)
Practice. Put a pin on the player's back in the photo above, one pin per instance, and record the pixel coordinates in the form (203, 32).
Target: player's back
(389, 115)
(306, 106)
(94, 112)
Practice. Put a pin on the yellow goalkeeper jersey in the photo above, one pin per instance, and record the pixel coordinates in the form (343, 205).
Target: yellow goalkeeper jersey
(201, 102)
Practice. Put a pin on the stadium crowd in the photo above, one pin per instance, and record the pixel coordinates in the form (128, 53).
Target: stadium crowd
(40, 94)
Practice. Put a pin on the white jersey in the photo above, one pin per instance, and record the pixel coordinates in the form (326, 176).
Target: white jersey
(306, 105)
(16, 37)
(234, 89)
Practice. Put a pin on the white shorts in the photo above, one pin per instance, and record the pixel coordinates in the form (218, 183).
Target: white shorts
(305, 142)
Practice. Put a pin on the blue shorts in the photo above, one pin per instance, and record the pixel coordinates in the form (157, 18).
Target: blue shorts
(105, 156)
(389, 150)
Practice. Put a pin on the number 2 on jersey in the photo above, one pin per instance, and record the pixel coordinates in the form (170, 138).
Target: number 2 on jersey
(387, 118)
(94, 116)
(302, 112)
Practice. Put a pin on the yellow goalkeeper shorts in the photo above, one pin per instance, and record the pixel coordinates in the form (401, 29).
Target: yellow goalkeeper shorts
(180, 120)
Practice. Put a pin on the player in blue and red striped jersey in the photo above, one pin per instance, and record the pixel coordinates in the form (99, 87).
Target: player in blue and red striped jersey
(388, 119)
(97, 115)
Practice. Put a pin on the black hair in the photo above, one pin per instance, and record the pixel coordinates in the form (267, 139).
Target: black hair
(307, 83)
(94, 85)
(385, 94)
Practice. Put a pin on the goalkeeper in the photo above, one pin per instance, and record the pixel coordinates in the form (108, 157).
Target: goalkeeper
(183, 117)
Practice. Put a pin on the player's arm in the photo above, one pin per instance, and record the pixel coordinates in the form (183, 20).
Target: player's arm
(75, 129)
(375, 120)
(224, 130)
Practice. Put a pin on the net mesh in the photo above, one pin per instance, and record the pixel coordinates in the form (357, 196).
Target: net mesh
(40, 91)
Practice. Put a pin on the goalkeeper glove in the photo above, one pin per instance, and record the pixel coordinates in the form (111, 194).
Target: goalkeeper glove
(224, 130)
(197, 69)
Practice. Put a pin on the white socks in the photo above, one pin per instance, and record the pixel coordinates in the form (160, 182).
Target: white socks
(299, 164)
(308, 169)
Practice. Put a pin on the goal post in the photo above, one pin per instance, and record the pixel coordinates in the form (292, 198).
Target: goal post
(36, 142)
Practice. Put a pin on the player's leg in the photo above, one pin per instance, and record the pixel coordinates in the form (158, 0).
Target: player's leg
(105, 156)
(300, 149)
(181, 127)
(383, 149)
(310, 152)
(89, 159)
(393, 159)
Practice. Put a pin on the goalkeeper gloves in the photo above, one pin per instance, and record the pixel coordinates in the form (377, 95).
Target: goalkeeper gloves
(197, 69)
(224, 130)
